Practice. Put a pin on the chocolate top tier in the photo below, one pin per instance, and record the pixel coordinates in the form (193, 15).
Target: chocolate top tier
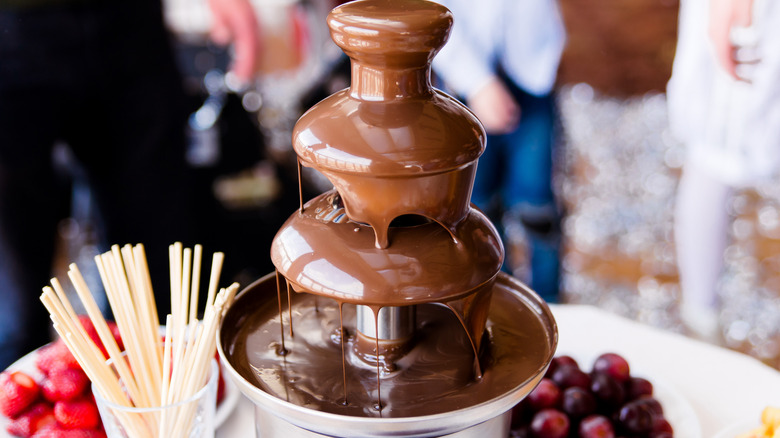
(396, 34)
(391, 144)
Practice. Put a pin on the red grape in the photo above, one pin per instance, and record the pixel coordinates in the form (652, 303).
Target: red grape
(661, 424)
(545, 395)
(636, 418)
(608, 391)
(637, 387)
(613, 365)
(605, 402)
(596, 426)
(565, 360)
(653, 404)
(559, 361)
(577, 402)
(567, 376)
(550, 423)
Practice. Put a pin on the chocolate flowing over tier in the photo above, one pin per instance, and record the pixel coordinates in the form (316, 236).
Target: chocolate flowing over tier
(391, 144)
(398, 229)
(321, 251)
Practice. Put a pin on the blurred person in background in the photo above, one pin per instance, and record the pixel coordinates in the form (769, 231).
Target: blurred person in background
(724, 105)
(101, 77)
(502, 61)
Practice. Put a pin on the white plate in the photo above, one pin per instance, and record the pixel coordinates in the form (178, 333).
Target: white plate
(737, 429)
(677, 409)
(224, 409)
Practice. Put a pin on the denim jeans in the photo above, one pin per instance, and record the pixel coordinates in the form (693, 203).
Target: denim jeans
(99, 76)
(514, 183)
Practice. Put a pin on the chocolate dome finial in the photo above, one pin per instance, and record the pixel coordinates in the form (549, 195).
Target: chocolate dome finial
(391, 33)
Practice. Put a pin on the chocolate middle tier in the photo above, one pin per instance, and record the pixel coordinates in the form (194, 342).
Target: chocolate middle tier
(323, 252)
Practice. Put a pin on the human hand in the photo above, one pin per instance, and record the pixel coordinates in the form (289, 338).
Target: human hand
(235, 21)
(725, 15)
(495, 107)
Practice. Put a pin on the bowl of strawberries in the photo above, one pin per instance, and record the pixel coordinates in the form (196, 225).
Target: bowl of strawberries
(47, 394)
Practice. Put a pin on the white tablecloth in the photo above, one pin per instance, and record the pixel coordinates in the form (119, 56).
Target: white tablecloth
(723, 387)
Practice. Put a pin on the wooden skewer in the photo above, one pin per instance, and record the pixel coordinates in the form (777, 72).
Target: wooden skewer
(184, 294)
(143, 270)
(204, 354)
(143, 301)
(149, 376)
(124, 313)
(216, 268)
(166, 376)
(106, 337)
(86, 352)
(197, 256)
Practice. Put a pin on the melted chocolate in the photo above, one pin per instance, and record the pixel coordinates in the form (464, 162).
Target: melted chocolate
(435, 376)
(321, 251)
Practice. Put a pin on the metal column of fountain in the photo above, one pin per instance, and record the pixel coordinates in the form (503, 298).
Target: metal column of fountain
(388, 314)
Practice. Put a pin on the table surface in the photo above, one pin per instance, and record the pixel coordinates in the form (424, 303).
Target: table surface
(722, 386)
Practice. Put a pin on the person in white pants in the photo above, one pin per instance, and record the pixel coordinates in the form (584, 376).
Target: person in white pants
(724, 105)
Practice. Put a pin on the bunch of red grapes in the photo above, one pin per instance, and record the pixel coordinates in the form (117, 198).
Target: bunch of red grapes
(607, 402)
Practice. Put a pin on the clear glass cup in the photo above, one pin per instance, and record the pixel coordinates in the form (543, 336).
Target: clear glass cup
(190, 418)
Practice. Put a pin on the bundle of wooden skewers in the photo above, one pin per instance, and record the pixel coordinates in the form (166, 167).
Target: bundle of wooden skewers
(149, 373)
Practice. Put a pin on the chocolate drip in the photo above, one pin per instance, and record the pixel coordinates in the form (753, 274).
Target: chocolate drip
(378, 404)
(289, 307)
(342, 336)
(282, 351)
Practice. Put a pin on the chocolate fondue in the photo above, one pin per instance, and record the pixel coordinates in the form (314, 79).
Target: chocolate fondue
(398, 309)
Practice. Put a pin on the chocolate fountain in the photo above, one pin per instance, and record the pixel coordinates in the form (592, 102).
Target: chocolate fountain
(388, 314)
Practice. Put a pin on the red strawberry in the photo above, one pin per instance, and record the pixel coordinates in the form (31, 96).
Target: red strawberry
(55, 355)
(86, 322)
(65, 384)
(17, 392)
(220, 382)
(117, 336)
(81, 413)
(90, 329)
(40, 415)
(60, 432)
(220, 389)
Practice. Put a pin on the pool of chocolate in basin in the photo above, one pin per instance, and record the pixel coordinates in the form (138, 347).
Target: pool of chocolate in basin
(436, 376)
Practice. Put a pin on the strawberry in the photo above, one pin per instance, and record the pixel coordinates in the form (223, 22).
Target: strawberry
(220, 382)
(17, 392)
(117, 336)
(35, 418)
(220, 389)
(90, 329)
(60, 432)
(65, 384)
(55, 355)
(80, 413)
(86, 322)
